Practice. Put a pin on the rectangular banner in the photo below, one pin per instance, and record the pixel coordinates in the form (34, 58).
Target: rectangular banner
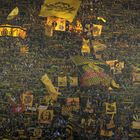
(73, 81)
(62, 81)
(97, 30)
(59, 24)
(45, 115)
(73, 101)
(136, 125)
(111, 108)
(27, 99)
(66, 9)
(48, 30)
(116, 66)
(136, 77)
(14, 31)
(106, 133)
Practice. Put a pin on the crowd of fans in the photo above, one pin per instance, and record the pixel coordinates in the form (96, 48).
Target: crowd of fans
(52, 55)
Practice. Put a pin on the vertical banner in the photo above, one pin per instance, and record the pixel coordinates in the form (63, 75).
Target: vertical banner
(37, 133)
(85, 47)
(97, 30)
(44, 115)
(27, 99)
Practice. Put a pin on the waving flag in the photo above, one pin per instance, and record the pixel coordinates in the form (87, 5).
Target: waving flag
(49, 85)
(66, 9)
(13, 13)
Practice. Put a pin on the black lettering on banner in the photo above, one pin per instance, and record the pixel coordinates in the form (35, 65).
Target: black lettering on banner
(4, 32)
(60, 7)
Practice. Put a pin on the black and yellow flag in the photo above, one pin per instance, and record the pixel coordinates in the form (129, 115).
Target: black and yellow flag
(85, 47)
(45, 115)
(62, 81)
(14, 31)
(97, 30)
(49, 85)
(111, 108)
(27, 99)
(66, 9)
(58, 24)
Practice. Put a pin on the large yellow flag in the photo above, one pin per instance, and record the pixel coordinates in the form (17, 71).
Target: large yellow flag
(50, 87)
(66, 9)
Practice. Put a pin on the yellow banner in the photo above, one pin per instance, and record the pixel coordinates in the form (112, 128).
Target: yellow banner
(106, 133)
(59, 24)
(62, 81)
(73, 81)
(135, 125)
(111, 108)
(116, 65)
(66, 9)
(27, 99)
(111, 63)
(97, 30)
(45, 116)
(48, 30)
(85, 48)
(73, 101)
(136, 77)
(78, 27)
(37, 133)
(14, 31)
(50, 87)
